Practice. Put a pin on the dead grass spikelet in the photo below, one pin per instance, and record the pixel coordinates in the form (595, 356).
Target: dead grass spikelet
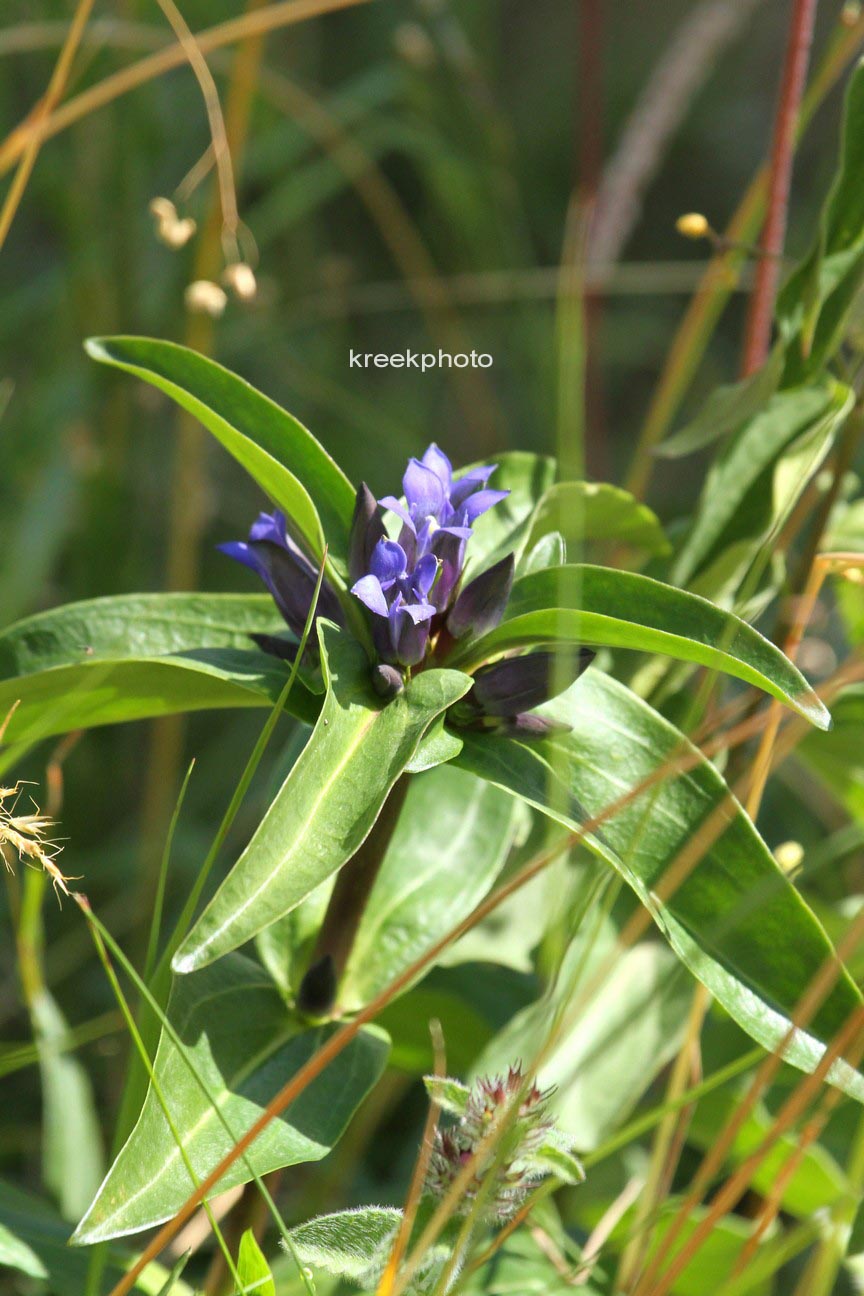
(28, 837)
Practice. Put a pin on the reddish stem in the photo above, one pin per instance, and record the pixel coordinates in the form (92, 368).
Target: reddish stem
(757, 337)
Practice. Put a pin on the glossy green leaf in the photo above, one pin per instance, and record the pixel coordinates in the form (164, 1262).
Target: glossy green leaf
(504, 528)
(450, 844)
(727, 409)
(600, 605)
(72, 1139)
(736, 921)
(358, 749)
(284, 458)
(253, 1269)
(127, 658)
(244, 1046)
(639, 1010)
(585, 512)
(737, 498)
(814, 305)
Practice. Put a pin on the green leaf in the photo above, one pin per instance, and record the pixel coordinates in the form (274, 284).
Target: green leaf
(738, 494)
(596, 511)
(358, 749)
(814, 305)
(639, 1011)
(15, 1254)
(555, 1157)
(837, 758)
(451, 842)
(286, 461)
(810, 1179)
(253, 1269)
(504, 529)
(128, 658)
(351, 1244)
(72, 1139)
(736, 922)
(450, 1095)
(36, 1226)
(727, 409)
(600, 605)
(436, 747)
(244, 1047)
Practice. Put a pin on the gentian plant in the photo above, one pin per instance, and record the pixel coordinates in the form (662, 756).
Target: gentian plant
(493, 675)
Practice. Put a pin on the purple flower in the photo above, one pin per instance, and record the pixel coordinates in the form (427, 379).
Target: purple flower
(289, 576)
(399, 597)
(438, 514)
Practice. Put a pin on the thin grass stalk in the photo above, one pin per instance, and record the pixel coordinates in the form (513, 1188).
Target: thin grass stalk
(284, 14)
(421, 1165)
(852, 1034)
(159, 901)
(717, 1153)
(155, 1083)
(41, 116)
(719, 280)
(757, 336)
(100, 931)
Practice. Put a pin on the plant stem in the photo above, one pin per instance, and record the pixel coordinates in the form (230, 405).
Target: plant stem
(347, 903)
(757, 336)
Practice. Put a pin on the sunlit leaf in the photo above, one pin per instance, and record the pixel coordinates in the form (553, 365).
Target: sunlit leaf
(244, 1046)
(357, 751)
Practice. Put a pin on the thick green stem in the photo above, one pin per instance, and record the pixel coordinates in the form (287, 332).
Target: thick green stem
(317, 994)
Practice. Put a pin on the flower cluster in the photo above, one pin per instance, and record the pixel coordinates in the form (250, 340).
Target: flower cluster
(511, 1155)
(411, 581)
(413, 588)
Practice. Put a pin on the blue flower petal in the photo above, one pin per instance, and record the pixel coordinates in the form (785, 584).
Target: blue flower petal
(368, 590)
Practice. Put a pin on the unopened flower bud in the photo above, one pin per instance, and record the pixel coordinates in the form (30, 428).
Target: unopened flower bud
(387, 681)
(203, 297)
(693, 225)
(517, 684)
(367, 528)
(480, 607)
(240, 278)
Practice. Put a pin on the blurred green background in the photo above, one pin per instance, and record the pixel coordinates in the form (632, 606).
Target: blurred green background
(390, 140)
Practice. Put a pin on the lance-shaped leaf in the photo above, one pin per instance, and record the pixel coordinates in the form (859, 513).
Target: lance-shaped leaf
(243, 1046)
(128, 658)
(736, 921)
(330, 800)
(599, 605)
(282, 456)
(738, 499)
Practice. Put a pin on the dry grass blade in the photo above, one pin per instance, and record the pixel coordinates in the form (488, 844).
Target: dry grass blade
(41, 115)
(284, 14)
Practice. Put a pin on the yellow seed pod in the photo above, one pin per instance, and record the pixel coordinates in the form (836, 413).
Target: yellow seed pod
(693, 225)
(203, 297)
(789, 855)
(240, 278)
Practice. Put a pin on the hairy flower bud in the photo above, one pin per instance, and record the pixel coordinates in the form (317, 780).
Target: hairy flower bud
(481, 605)
(502, 1128)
